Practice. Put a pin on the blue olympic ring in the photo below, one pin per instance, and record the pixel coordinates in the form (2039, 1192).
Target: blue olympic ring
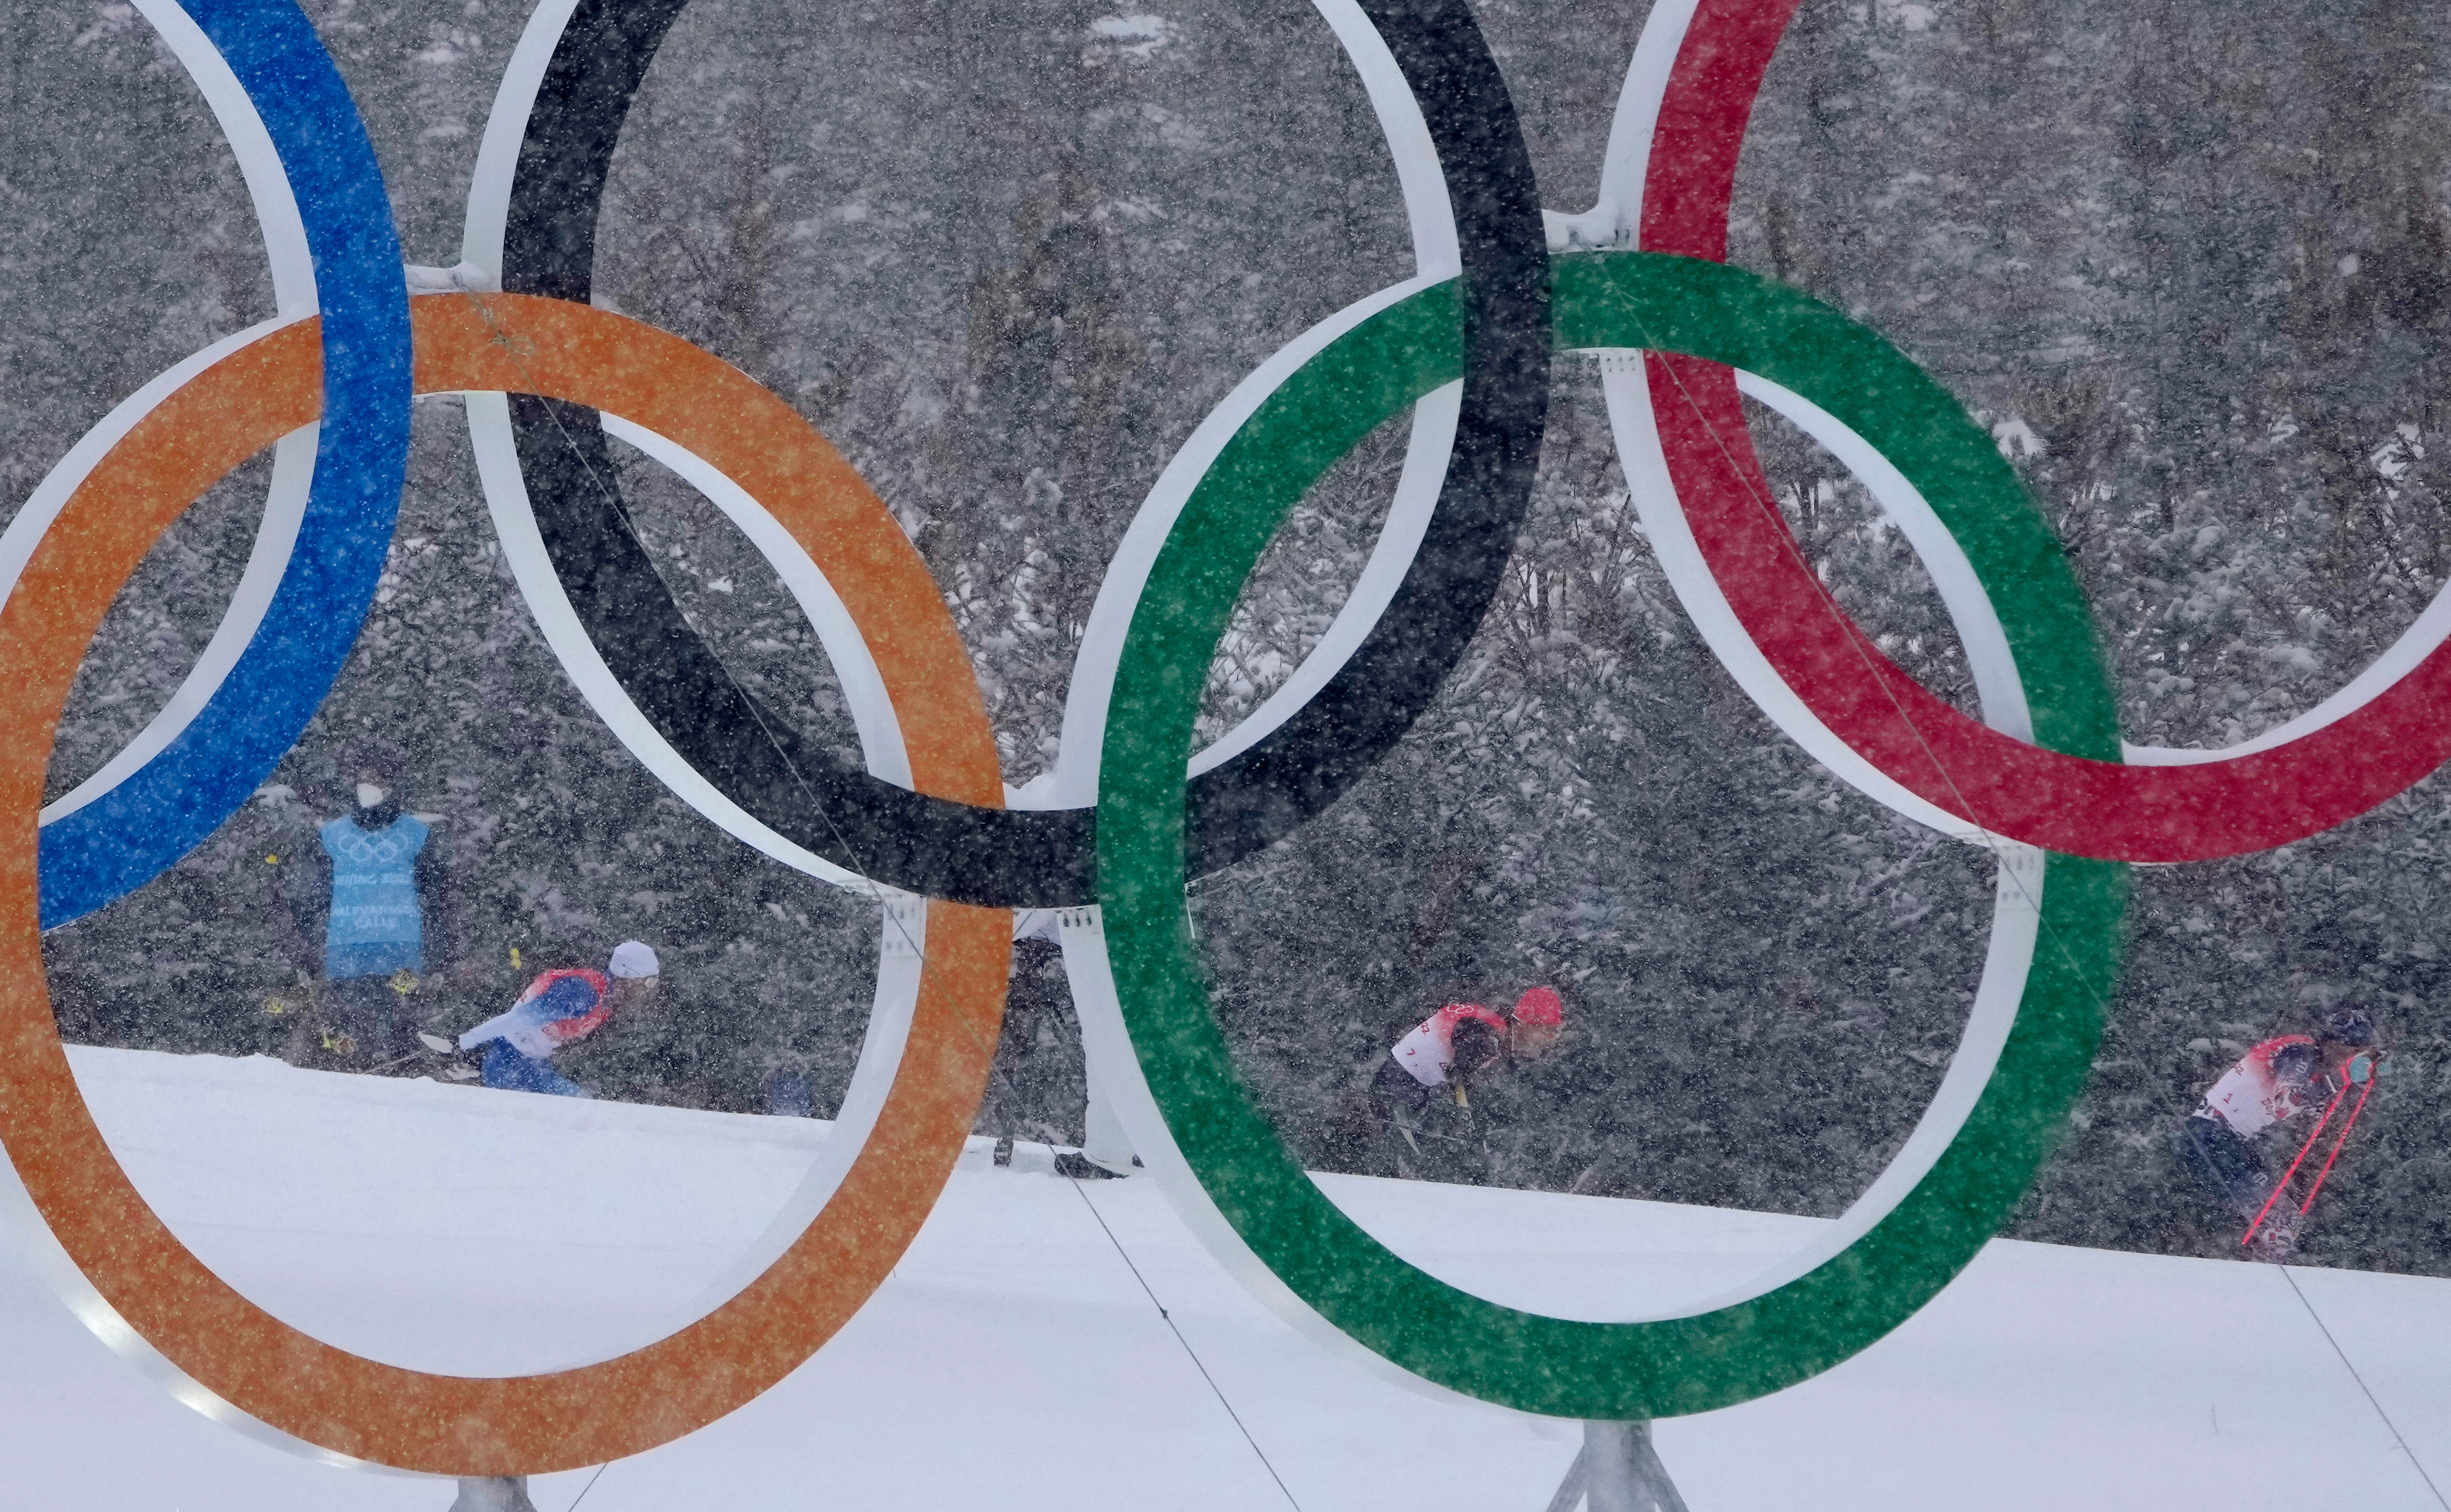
(120, 842)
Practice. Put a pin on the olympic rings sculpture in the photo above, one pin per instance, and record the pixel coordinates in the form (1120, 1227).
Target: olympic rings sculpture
(1110, 836)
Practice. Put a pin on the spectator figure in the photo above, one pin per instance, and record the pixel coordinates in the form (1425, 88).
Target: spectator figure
(384, 901)
(556, 1011)
(2269, 1086)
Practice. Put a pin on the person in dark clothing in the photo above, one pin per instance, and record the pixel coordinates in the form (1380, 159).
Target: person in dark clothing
(1036, 1063)
(1045, 1067)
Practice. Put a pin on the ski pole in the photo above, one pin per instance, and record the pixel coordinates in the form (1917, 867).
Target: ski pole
(2364, 1093)
(2282, 1184)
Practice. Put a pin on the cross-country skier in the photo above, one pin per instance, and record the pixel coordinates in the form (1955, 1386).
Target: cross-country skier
(1447, 1049)
(2270, 1085)
(560, 1008)
(1445, 1053)
(1427, 1058)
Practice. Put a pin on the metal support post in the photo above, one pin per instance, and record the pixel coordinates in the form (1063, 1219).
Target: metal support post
(493, 1493)
(1618, 1472)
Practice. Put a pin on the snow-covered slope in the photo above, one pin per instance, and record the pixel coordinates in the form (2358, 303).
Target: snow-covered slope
(1018, 1358)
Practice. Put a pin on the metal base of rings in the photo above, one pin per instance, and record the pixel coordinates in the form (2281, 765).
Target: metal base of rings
(495, 1493)
(1618, 1472)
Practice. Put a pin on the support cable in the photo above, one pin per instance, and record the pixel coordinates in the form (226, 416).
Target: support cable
(1194, 1354)
(2416, 1464)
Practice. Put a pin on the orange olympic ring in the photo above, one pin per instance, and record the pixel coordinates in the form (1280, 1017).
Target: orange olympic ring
(519, 1425)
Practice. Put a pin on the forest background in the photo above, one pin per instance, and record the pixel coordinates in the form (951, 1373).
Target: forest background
(2193, 271)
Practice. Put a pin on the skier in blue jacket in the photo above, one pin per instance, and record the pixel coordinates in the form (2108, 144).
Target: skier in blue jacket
(560, 1008)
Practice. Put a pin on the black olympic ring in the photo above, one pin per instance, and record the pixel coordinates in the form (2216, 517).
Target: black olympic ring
(1021, 858)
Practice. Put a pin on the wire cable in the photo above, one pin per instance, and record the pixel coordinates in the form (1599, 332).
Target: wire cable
(2415, 1463)
(1194, 1354)
(589, 1486)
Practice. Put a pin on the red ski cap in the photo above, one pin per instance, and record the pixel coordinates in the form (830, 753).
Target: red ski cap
(1540, 1006)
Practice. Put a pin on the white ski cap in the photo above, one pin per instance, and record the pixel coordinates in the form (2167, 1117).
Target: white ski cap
(631, 958)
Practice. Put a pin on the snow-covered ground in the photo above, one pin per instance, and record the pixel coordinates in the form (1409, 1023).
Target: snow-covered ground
(1016, 1360)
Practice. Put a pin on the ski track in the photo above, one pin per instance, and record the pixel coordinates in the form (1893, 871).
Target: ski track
(1014, 1359)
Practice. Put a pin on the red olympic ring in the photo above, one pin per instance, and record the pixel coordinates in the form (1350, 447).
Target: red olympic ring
(2164, 813)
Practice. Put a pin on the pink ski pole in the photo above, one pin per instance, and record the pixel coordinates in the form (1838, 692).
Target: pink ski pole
(2282, 1184)
(2364, 1093)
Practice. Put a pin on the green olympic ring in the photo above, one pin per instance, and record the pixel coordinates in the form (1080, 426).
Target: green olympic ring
(1524, 1360)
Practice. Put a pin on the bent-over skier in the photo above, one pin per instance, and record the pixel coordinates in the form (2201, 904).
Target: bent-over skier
(1449, 1051)
(2270, 1085)
(560, 1008)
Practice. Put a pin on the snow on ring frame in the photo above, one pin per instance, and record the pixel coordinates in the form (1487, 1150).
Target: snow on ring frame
(293, 297)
